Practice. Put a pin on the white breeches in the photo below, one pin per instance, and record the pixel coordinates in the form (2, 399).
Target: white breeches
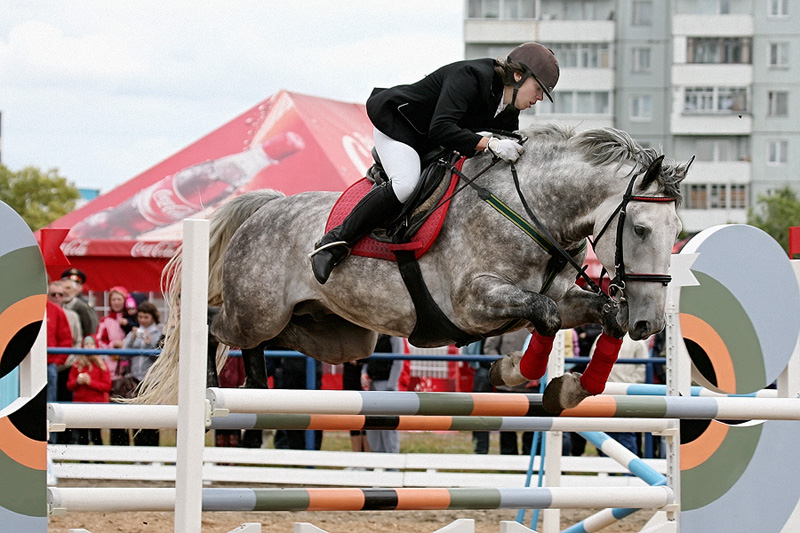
(401, 163)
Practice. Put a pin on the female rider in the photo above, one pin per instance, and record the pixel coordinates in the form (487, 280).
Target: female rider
(444, 109)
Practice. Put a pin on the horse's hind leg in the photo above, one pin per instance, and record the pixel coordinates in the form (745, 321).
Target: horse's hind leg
(255, 367)
(212, 378)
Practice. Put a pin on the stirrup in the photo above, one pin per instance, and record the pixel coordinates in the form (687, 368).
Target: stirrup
(329, 245)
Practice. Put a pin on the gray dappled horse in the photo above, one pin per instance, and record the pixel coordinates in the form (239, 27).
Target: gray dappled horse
(483, 271)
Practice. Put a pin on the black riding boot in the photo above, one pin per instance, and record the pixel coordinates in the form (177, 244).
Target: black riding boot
(379, 206)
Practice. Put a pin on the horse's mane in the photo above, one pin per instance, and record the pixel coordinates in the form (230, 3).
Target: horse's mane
(610, 146)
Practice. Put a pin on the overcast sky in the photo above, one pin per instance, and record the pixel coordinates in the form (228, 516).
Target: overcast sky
(103, 90)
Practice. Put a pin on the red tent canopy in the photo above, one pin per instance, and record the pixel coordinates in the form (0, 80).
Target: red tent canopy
(289, 142)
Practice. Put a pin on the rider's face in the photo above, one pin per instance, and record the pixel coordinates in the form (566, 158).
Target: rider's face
(528, 94)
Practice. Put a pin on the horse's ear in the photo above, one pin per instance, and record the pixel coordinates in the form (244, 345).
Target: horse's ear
(653, 171)
(686, 168)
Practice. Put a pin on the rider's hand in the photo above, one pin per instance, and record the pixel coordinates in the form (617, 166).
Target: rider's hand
(505, 149)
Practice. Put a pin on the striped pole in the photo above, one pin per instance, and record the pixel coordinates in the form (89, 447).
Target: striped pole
(104, 416)
(493, 404)
(435, 423)
(652, 389)
(354, 499)
(629, 460)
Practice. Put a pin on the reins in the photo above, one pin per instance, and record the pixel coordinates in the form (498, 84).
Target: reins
(560, 257)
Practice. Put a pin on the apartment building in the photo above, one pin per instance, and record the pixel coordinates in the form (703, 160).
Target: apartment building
(717, 79)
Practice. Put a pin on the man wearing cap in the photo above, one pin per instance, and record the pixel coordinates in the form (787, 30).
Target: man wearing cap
(72, 280)
(445, 109)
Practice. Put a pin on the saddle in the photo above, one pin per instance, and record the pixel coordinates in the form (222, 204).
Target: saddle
(420, 222)
(408, 238)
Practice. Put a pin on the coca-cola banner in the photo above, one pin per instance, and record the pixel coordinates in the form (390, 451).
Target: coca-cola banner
(290, 142)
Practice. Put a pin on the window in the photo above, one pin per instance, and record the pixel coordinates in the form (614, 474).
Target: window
(721, 50)
(778, 55)
(582, 55)
(696, 197)
(698, 100)
(777, 103)
(576, 102)
(738, 196)
(501, 9)
(641, 60)
(728, 148)
(777, 152)
(731, 99)
(717, 100)
(642, 13)
(714, 196)
(778, 8)
(641, 108)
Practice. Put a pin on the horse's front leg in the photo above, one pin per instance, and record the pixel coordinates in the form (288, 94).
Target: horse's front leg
(492, 300)
(582, 307)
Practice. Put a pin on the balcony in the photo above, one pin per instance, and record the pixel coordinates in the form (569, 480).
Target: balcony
(736, 172)
(711, 124)
(712, 25)
(549, 31)
(712, 74)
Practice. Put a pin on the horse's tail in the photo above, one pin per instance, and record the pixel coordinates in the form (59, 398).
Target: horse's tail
(160, 384)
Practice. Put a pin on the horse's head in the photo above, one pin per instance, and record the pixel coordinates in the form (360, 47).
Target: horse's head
(635, 231)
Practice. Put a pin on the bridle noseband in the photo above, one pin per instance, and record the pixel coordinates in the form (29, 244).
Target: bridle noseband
(617, 285)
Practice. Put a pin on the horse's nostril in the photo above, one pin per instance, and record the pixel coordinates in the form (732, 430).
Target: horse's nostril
(640, 329)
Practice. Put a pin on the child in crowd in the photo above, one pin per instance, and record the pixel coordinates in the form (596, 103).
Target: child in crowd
(145, 336)
(90, 382)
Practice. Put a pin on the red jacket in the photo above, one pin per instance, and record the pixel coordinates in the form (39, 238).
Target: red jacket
(58, 333)
(97, 391)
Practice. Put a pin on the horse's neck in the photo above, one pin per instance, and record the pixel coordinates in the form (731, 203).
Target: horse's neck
(570, 201)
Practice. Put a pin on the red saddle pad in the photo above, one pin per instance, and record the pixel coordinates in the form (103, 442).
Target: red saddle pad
(369, 247)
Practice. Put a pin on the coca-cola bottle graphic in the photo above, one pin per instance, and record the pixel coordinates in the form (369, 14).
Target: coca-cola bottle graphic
(186, 192)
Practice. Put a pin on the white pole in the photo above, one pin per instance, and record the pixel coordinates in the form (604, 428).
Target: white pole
(551, 518)
(192, 377)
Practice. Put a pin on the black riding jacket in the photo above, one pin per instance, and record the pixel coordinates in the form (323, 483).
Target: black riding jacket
(445, 108)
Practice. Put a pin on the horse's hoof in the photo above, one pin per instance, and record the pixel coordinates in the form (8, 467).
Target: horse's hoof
(505, 371)
(564, 392)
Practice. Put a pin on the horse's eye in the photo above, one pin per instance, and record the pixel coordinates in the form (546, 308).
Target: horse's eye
(640, 231)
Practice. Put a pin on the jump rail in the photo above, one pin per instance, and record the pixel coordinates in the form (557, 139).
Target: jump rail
(62, 416)
(355, 499)
(493, 404)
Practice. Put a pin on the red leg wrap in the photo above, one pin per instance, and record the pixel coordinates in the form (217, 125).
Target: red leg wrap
(534, 363)
(605, 355)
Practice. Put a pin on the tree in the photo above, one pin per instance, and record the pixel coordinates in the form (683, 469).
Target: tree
(39, 197)
(778, 211)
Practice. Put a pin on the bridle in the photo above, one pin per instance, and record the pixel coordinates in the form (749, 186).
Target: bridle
(618, 284)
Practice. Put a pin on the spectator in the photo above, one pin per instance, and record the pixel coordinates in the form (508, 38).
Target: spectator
(90, 382)
(290, 373)
(109, 331)
(231, 376)
(55, 288)
(145, 336)
(111, 335)
(129, 319)
(628, 373)
(480, 383)
(351, 380)
(502, 345)
(383, 375)
(72, 280)
(58, 336)
(586, 334)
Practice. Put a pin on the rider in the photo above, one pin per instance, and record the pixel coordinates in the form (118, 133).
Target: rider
(444, 109)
